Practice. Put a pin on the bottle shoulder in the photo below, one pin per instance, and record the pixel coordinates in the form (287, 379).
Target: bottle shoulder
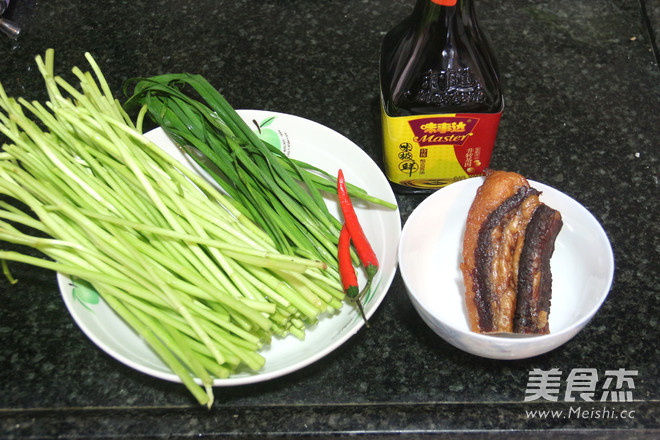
(438, 70)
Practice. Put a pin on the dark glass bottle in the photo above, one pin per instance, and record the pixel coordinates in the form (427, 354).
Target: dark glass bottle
(441, 97)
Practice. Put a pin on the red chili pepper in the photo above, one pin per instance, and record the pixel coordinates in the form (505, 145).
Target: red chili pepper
(362, 245)
(348, 277)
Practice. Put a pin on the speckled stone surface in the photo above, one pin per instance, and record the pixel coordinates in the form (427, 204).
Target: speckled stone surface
(582, 88)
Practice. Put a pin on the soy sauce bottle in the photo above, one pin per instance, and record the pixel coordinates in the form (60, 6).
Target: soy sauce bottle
(440, 97)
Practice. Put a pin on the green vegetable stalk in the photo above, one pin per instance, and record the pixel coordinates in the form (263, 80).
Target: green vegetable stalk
(280, 194)
(189, 268)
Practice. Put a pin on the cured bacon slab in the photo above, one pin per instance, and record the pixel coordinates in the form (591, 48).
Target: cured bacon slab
(534, 274)
(508, 243)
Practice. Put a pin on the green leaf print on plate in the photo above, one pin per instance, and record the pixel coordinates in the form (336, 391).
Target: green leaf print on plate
(266, 134)
(84, 293)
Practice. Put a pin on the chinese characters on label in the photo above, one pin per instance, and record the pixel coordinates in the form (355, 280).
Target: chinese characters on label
(581, 384)
(444, 127)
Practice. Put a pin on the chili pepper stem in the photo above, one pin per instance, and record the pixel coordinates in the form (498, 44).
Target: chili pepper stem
(353, 292)
(371, 270)
(358, 302)
(364, 290)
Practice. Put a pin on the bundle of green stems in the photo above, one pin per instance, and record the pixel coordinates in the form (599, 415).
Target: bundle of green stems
(185, 265)
(280, 194)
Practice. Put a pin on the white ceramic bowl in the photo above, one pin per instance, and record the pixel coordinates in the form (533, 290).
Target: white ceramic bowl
(430, 251)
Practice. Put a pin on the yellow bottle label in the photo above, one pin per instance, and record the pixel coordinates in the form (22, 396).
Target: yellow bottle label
(432, 151)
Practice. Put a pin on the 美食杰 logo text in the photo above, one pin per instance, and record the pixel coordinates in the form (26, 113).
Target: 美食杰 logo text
(593, 393)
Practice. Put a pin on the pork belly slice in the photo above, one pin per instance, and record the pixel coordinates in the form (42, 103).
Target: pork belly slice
(534, 274)
(505, 233)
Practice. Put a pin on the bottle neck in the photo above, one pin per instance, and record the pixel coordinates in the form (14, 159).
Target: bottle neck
(429, 11)
(444, 2)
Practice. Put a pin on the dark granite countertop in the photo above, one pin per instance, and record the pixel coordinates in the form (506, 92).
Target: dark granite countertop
(582, 88)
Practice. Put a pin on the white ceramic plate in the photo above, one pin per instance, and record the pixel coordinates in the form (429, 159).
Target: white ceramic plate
(304, 140)
(431, 251)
